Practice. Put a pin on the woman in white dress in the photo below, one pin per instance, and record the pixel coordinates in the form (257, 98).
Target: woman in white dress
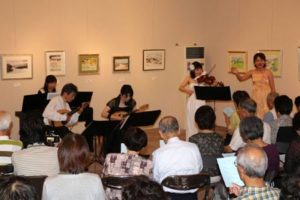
(187, 86)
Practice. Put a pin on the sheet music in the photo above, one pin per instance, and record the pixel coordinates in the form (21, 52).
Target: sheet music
(229, 171)
(50, 95)
(228, 154)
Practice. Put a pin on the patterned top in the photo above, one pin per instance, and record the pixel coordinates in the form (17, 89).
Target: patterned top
(284, 120)
(117, 164)
(210, 145)
(257, 193)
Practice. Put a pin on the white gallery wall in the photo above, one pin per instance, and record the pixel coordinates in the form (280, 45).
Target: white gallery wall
(127, 27)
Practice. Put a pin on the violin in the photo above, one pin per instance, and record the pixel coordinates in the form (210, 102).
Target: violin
(209, 80)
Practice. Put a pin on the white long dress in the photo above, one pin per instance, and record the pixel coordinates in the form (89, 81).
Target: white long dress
(192, 105)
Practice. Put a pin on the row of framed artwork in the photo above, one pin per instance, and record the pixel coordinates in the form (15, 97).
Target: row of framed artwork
(239, 60)
(20, 66)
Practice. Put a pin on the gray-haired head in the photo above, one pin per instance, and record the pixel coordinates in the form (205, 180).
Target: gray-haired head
(253, 160)
(249, 105)
(168, 124)
(5, 121)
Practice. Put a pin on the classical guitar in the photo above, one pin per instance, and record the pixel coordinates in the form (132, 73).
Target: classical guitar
(84, 105)
(123, 114)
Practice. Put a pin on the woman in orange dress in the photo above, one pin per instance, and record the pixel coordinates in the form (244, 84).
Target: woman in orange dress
(263, 82)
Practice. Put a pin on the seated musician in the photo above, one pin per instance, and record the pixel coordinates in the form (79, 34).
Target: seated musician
(57, 112)
(49, 85)
(123, 104)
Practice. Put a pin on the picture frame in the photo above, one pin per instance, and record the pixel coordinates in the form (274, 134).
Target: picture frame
(16, 66)
(121, 63)
(154, 59)
(88, 64)
(55, 63)
(238, 60)
(274, 61)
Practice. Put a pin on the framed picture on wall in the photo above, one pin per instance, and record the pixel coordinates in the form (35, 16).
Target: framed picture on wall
(88, 64)
(16, 66)
(55, 63)
(238, 60)
(154, 59)
(274, 61)
(121, 63)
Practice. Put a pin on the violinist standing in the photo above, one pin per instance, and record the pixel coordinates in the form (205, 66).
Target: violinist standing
(187, 86)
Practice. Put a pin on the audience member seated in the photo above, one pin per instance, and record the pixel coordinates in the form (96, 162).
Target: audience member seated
(271, 115)
(283, 107)
(36, 159)
(233, 121)
(17, 188)
(290, 187)
(252, 163)
(251, 129)
(73, 182)
(292, 158)
(143, 189)
(120, 164)
(210, 143)
(246, 108)
(7, 146)
(177, 157)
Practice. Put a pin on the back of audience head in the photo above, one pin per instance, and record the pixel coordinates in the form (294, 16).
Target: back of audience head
(135, 139)
(5, 123)
(238, 96)
(143, 188)
(297, 103)
(205, 118)
(253, 161)
(168, 124)
(296, 122)
(33, 131)
(249, 105)
(17, 188)
(73, 154)
(283, 105)
(251, 128)
(271, 98)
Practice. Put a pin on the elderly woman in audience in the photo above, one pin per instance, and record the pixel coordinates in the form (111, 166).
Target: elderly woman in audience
(210, 143)
(292, 159)
(73, 182)
(251, 129)
(130, 163)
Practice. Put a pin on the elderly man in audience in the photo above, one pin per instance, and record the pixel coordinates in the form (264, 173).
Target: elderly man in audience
(246, 108)
(130, 163)
(251, 129)
(36, 159)
(177, 157)
(7, 146)
(283, 107)
(252, 163)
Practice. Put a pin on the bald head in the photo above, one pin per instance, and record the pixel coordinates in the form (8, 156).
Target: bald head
(168, 124)
(253, 160)
(5, 122)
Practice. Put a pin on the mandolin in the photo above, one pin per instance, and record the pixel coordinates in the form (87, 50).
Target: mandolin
(123, 114)
(69, 113)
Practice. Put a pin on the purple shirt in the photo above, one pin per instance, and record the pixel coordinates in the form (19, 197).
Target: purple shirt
(273, 158)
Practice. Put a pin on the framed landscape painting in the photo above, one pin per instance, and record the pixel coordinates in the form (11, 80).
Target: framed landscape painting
(238, 60)
(88, 64)
(153, 59)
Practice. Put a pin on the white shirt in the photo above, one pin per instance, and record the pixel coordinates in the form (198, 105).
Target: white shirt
(237, 141)
(36, 160)
(50, 112)
(7, 145)
(177, 157)
(84, 186)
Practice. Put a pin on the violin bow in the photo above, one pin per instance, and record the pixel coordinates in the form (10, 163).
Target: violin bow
(213, 67)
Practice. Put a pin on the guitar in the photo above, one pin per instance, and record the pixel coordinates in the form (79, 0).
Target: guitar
(122, 114)
(69, 113)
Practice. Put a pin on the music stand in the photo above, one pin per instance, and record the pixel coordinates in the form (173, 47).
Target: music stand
(80, 98)
(133, 120)
(34, 102)
(98, 128)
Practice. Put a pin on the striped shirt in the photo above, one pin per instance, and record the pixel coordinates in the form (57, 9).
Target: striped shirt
(36, 160)
(7, 147)
(259, 193)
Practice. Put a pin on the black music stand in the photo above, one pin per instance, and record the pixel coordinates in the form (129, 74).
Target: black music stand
(34, 102)
(98, 128)
(133, 120)
(80, 98)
